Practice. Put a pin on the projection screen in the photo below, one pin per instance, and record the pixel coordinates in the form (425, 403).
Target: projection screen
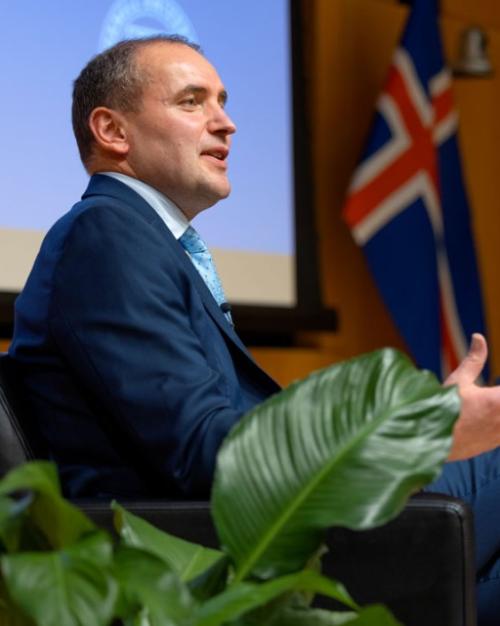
(44, 46)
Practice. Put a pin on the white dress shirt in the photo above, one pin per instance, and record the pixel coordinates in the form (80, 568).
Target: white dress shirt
(172, 216)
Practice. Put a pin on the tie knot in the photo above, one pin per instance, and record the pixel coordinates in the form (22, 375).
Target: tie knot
(192, 242)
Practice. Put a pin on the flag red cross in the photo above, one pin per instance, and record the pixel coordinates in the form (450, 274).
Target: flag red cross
(417, 130)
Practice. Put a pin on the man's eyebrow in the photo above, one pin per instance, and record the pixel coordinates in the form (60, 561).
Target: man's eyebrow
(197, 89)
(189, 89)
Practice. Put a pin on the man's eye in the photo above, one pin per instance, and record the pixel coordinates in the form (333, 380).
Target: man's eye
(190, 101)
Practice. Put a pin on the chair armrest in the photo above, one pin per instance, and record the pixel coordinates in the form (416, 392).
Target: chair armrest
(187, 519)
(420, 564)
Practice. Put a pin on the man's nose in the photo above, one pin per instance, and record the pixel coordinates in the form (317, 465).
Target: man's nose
(221, 122)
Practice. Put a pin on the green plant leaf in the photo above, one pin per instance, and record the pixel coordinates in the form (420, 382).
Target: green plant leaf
(14, 507)
(150, 592)
(374, 615)
(243, 597)
(212, 581)
(61, 522)
(188, 560)
(35, 475)
(10, 614)
(345, 447)
(71, 587)
(12, 517)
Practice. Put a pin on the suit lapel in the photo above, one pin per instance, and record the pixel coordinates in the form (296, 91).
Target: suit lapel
(108, 186)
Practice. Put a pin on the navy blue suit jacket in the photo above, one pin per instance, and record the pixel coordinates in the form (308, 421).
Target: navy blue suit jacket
(132, 374)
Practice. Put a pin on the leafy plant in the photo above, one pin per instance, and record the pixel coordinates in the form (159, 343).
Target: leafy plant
(346, 446)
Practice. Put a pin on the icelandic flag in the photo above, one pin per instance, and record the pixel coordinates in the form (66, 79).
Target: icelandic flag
(407, 206)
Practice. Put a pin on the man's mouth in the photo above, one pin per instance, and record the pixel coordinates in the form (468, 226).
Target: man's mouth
(219, 154)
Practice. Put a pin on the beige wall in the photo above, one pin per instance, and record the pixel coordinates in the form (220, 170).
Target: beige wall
(352, 44)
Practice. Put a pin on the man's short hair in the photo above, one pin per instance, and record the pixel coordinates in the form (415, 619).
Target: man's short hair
(111, 79)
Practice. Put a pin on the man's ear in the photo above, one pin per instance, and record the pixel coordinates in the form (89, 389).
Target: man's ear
(109, 130)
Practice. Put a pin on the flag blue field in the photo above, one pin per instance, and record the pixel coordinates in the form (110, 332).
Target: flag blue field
(407, 205)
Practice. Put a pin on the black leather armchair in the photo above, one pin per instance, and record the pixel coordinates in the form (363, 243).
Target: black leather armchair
(421, 564)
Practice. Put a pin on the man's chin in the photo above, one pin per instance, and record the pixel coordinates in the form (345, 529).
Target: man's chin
(226, 192)
(206, 198)
(216, 197)
(219, 191)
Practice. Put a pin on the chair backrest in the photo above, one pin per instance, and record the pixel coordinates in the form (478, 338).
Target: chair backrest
(14, 446)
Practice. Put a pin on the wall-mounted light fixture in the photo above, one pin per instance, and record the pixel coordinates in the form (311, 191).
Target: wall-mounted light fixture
(474, 60)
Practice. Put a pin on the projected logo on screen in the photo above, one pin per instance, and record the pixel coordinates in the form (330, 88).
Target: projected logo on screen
(131, 19)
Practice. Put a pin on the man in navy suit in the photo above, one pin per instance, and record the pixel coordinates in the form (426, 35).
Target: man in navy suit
(133, 371)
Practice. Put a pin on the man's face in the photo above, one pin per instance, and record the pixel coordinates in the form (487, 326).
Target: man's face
(180, 138)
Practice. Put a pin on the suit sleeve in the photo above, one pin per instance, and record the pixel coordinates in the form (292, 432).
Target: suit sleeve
(122, 314)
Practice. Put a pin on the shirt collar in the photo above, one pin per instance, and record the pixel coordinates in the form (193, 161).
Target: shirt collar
(172, 216)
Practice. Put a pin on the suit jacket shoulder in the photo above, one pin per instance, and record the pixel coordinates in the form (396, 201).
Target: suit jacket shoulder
(116, 322)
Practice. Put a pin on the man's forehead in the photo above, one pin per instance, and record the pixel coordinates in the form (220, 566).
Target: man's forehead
(175, 60)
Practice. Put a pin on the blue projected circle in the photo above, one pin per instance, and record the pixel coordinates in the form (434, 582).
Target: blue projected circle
(132, 19)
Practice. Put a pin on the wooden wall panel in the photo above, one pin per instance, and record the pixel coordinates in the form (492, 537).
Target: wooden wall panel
(353, 44)
(477, 102)
(288, 364)
(485, 13)
(354, 41)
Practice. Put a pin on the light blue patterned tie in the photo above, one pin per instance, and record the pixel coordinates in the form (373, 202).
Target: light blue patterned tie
(194, 245)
